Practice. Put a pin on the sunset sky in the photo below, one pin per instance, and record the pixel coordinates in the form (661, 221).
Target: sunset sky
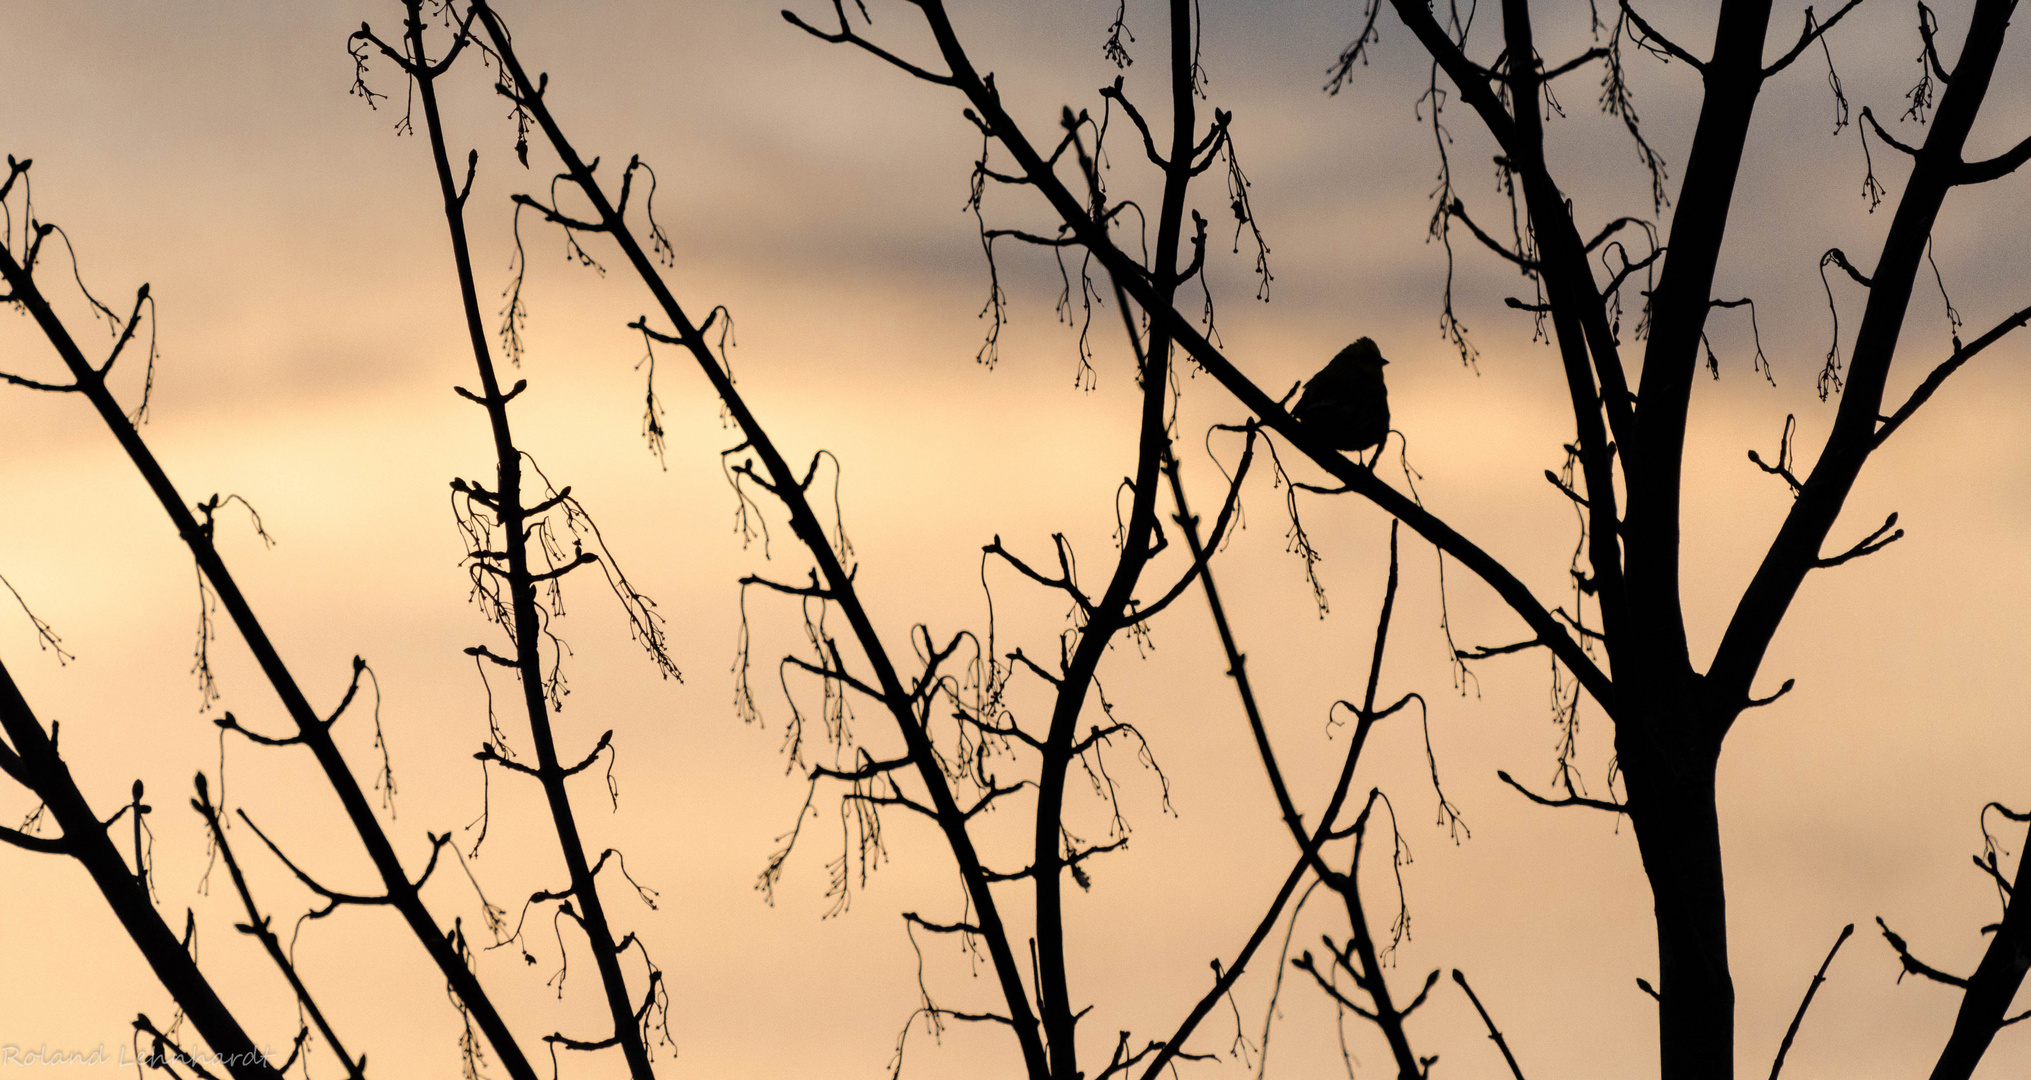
(310, 336)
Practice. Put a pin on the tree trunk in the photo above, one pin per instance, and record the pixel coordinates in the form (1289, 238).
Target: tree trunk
(1671, 800)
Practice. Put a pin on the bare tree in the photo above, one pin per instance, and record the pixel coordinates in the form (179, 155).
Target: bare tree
(1671, 718)
(955, 749)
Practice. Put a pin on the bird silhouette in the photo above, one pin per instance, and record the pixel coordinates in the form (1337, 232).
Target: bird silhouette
(1346, 403)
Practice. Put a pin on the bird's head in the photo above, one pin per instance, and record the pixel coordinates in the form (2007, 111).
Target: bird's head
(1361, 355)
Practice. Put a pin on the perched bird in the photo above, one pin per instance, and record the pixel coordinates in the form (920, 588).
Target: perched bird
(1346, 402)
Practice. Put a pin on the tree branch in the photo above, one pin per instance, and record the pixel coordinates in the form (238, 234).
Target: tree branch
(1871, 544)
(1912, 964)
(1812, 988)
(1494, 1034)
(1812, 32)
(845, 35)
(1663, 42)
(1938, 377)
(1569, 800)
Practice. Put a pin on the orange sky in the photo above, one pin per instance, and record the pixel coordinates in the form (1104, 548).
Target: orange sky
(310, 337)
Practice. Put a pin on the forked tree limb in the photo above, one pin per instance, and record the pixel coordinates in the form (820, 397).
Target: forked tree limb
(1383, 1012)
(257, 926)
(1855, 435)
